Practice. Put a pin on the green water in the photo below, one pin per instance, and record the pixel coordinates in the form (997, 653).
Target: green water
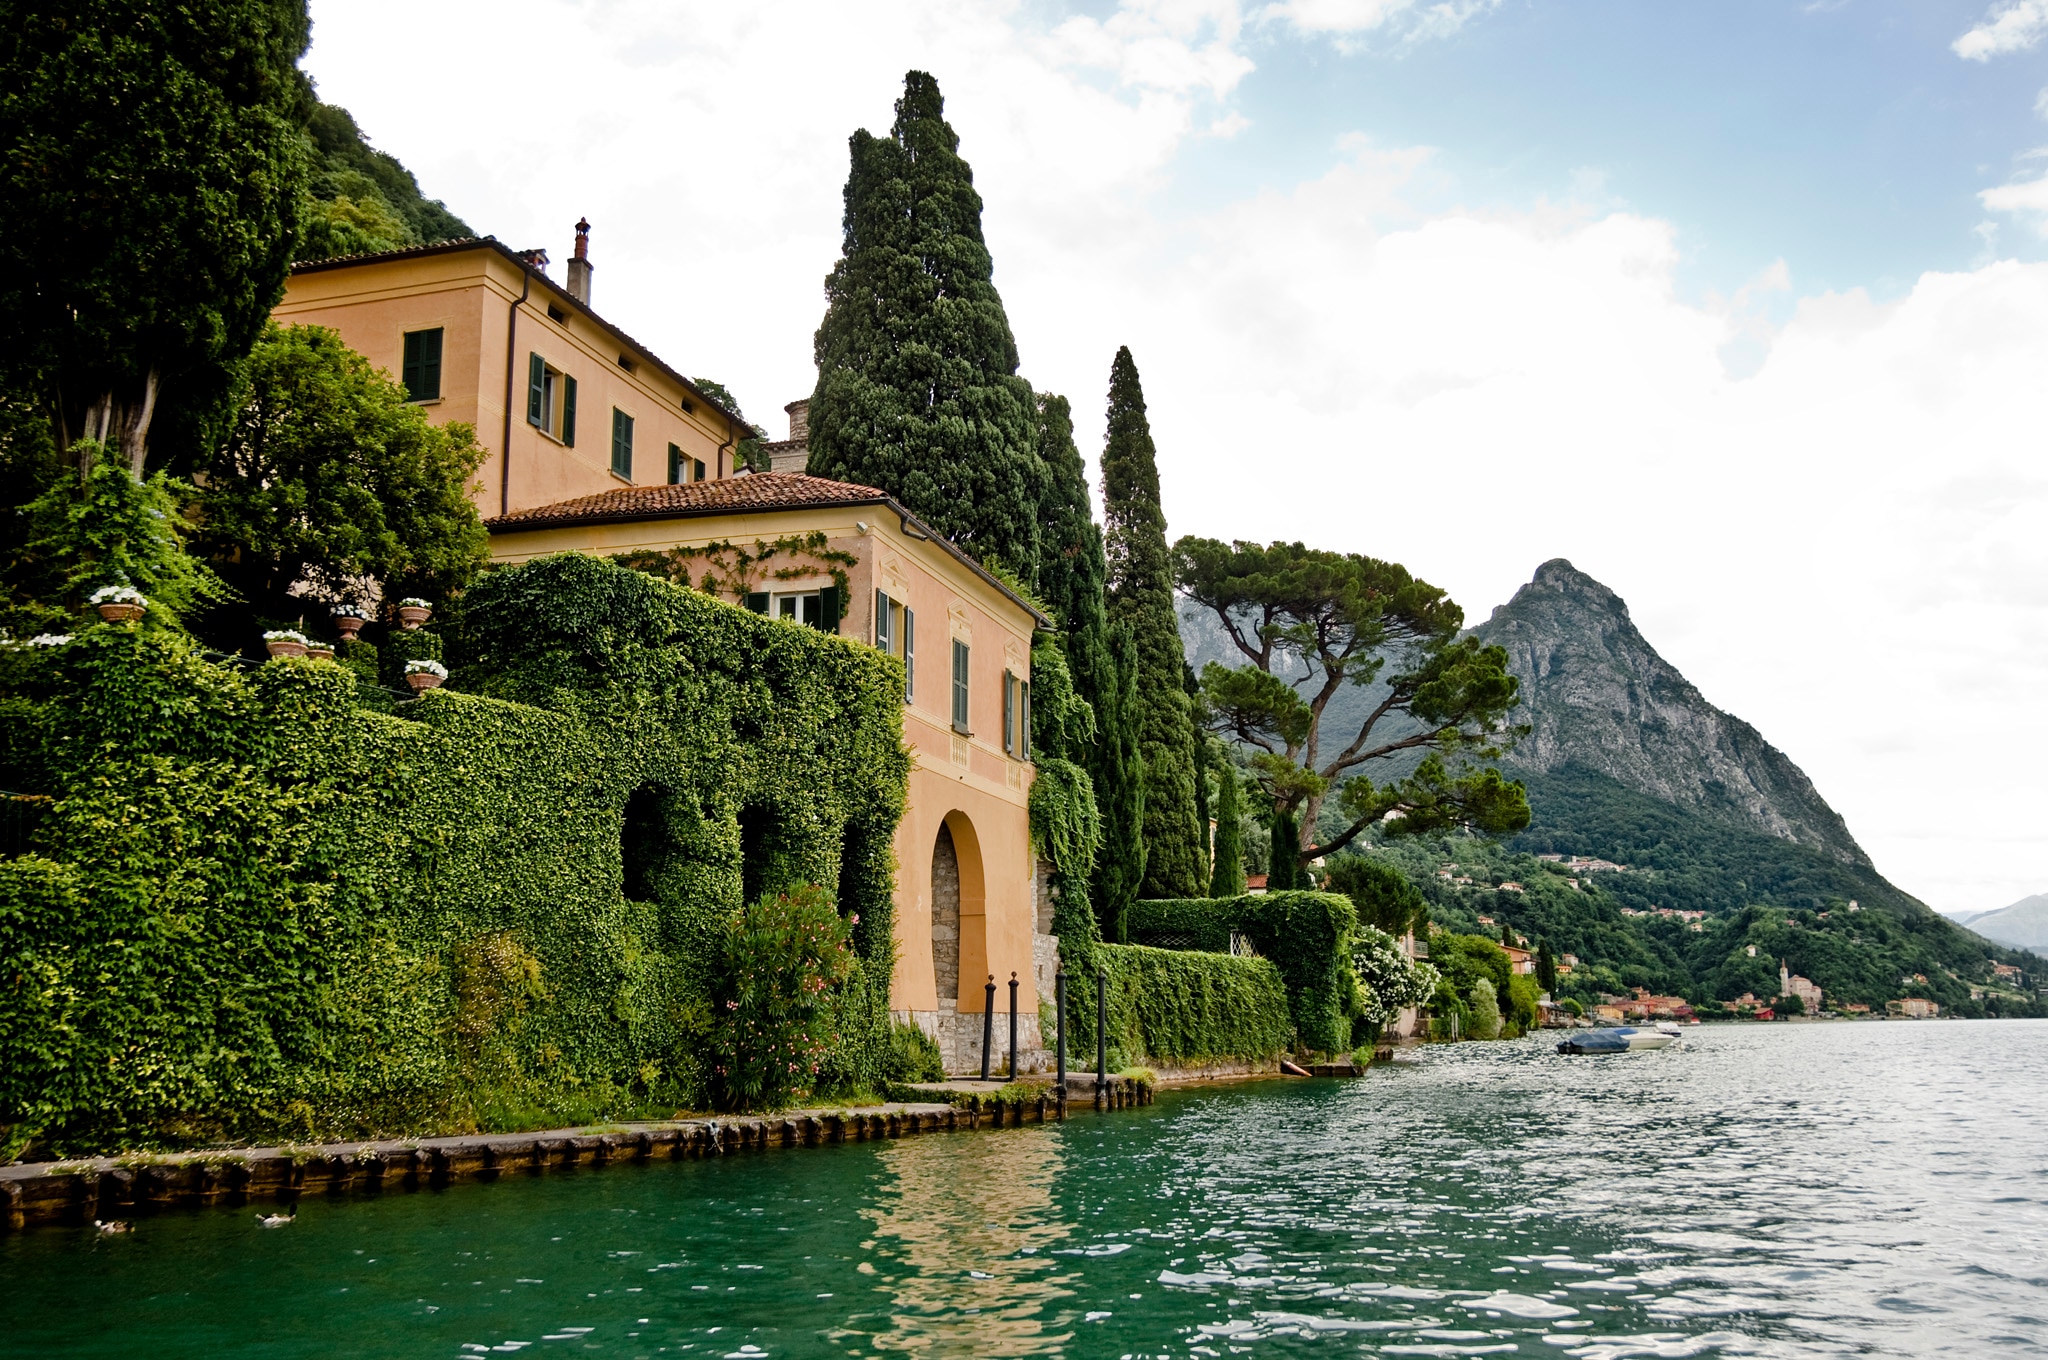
(1867, 1189)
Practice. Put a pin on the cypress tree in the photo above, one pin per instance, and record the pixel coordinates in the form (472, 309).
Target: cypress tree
(1141, 598)
(1119, 775)
(1205, 849)
(1226, 877)
(1546, 967)
(1287, 871)
(918, 392)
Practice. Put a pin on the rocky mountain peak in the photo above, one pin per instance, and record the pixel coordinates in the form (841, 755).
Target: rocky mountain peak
(1598, 696)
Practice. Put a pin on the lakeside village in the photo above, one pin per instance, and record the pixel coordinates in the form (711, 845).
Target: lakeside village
(433, 713)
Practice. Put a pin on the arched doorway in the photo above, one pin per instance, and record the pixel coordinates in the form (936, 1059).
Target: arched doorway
(959, 916)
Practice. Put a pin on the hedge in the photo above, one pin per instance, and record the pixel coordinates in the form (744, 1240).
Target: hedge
(1305, 934)
(1174, 1006)
(256, 908)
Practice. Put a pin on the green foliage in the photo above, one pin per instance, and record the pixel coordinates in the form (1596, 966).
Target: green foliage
(362, 199)
(1546, 967)
(1226, 874)
(329, 476)
(152, 171)
(1381, 893)
(1141, 598)
(1389, 981)
(1175, 1005)
(1067, 831)
(107, 528)
(733, 572)
(1306, 935)
(1119, 778)
(1062, 722)
(1286, 873)
(748, 453)
(1483, 1009)
(918, 392)
(771, 1013)
(1312, 624)
(913, 1056)
(1790, 1004)
(257, 909)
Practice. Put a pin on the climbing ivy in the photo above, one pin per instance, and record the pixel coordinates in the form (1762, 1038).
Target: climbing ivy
(1306, 934)
(256, 908)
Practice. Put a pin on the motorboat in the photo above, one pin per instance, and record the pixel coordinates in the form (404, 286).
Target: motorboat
(1619, 1039)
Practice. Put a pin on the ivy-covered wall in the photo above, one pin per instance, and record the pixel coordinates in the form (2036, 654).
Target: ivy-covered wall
(253, 907)
(1305, 934)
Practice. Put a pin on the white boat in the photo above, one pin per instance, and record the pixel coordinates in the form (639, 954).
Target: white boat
(1640, 1039)
(1615, 1039)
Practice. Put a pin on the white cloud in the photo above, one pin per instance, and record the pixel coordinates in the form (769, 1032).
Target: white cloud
(1844, 539)
(2022, 198)
(2011, 26)
(1346, 20)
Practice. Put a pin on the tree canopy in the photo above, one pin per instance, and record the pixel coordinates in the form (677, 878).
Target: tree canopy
(362, 199)
(1141, 599)
(329, 477)
(1309, 623)
(152, 175)
(918, 392)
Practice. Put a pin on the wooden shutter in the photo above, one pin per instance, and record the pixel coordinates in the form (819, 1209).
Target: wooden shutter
(960, 661)
(425, 383)
(757, 600)
(1024, 726)
(568, 410)
(1009, 714)
(622, 443)
(828, 609)
(882, 623)
(409, 368)
(675, 464)
(909, 655)
(536, 390)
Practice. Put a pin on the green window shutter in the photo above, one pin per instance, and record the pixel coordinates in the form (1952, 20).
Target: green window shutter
(1009, 714)
(536, 390)
(960, 660)
(622, 443)
(409, 366)
(675, 465)
(757, 600)
(700, 471)
(1024, 726)
(429, 386)
(882, 623)
(568, 410)
(828, 609)
(909, 656)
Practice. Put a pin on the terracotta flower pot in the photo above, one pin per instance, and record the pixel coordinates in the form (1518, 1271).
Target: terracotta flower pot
(117, 611)
(412, 616)
(285, 647)
(421, 681)
(316, 652)
(349, 626)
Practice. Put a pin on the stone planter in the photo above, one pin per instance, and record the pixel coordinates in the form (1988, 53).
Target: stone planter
(411, 616)
(422, 681)
(285, 647)
(119, 612)
(349, 626)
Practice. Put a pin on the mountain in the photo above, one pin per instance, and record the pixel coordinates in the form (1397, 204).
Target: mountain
(1601, 699)
(2023, 925)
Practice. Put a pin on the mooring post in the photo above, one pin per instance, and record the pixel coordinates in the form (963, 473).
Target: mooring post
(988, 1024)
(1101, 1031)
(1013, 1025)
(1059, 1015)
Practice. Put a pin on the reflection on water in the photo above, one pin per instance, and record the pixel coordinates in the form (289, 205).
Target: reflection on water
(1810, 1190)
(963, 1229)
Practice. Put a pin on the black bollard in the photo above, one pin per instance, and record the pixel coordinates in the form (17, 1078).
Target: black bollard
(988, 1024)
(1013, 1025)
(1059, 1014)
(1101, 1031)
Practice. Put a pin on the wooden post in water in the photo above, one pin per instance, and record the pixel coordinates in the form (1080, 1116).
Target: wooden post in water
(1013, 1025)
(1059, 1015)
(1101, 1031)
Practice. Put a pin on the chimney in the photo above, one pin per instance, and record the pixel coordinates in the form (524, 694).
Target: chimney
(799, 420)
(579, 265)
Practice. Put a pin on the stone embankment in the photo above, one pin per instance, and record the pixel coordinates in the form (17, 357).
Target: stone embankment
(113, 1188)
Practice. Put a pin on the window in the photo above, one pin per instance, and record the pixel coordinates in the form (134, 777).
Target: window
(813, 608)
(622, 444)
(959, 686)
(885, 632)
(805, 608)
(421, 371)
(626, 362)
(550, 400)
(895, 628)
(1016, 716)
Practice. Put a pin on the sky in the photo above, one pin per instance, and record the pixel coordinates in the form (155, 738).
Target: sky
(1740, 305)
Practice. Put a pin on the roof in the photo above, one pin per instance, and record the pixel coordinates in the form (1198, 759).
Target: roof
(751, 493)
(465, 243)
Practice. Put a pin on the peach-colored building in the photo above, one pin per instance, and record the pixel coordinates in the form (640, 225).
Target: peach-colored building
(566, 403)
(969, 902)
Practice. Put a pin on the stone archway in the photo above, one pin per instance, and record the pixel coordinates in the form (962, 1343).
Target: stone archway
(946, 917)
(959, 940)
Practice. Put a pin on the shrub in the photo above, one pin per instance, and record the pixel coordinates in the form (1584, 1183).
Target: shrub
(1485, 1010)
(772, 1011)
(1303, 933)
(913, 1056)
(1391, 982)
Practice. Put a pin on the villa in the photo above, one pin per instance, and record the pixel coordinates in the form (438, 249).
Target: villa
(598, 446)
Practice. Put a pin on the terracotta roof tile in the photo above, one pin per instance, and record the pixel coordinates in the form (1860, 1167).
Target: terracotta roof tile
(755, 491)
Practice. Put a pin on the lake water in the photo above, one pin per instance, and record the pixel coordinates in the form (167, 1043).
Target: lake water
(1787, 1190)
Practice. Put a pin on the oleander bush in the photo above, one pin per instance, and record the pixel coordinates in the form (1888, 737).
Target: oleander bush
(255, 907)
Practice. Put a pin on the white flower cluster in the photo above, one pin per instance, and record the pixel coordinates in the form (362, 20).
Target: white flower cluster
(413, 602)
(348, 611)
(285, 635)
(10, 644)
(426, 668)
(116, 595)
(1392, 981)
